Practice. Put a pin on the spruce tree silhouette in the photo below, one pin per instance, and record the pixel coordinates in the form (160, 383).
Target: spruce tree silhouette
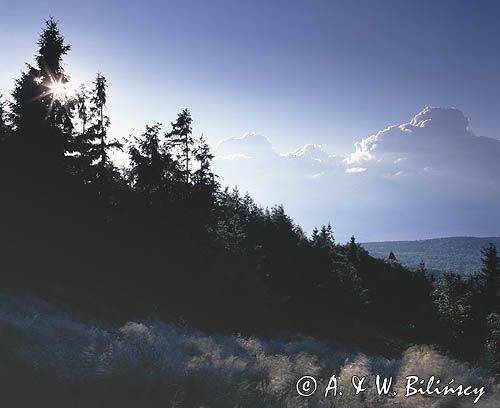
(41, 112)
(180, 136)
(489, 279)
(153, 171)
(82, 108)
(4, 125)
(83, 141)
(105, 170)
(202, 154)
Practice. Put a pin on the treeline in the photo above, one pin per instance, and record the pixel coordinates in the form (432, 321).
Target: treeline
(161, 234)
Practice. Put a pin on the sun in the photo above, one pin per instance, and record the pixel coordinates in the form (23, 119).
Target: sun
(58, 90)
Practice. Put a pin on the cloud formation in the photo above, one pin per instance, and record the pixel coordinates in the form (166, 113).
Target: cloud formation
(429, 177)
(435, 141)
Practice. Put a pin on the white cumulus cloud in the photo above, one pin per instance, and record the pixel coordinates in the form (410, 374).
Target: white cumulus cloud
(431, 176)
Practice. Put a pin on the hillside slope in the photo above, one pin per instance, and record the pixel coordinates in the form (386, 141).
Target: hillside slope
(54, 359)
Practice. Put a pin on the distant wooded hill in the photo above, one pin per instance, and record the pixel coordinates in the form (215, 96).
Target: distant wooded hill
(461, 255)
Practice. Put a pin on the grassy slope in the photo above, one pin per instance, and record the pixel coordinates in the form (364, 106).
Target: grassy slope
(49, 358)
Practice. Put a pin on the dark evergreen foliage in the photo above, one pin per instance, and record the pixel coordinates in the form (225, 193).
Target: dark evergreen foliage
(162, 235)
(180, 137)
(489, 278)
(4, 125)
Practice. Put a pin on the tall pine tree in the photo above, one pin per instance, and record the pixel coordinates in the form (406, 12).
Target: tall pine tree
(41, 110)
(181, 137)
(98, 134)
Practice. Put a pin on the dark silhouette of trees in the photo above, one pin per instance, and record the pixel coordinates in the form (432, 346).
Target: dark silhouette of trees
(180, 137)
(105, 170)
(153, 171)
(453, 299)
(91, 146)
(493, 341)
(41, 111)
(83, 141)
(489, 279)
(51, 50)
(323, 237)
(203, 175)
(82, 107)
(4, 125)
(163, 235)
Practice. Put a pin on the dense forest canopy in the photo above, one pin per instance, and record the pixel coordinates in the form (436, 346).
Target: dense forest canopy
(163, 235)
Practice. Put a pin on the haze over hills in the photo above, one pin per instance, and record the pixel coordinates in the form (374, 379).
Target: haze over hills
(461, 255)
(429, 177)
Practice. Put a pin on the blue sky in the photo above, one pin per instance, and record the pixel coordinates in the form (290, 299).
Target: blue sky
(330, 72)
(317, 71)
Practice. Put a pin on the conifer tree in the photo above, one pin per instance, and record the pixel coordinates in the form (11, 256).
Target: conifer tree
(51, 50)
(489, 279)
(323, 238)
(82, 108)
(102, 121)
(452, 297)
(83, 143)
(353, 251)
(4, 126)
(180, 137)
(98, 132)
(146, 157)
(39, 94)
(493, 341)
(203, 184)
(202, 154)
(326, 235)
(315, 236)
(41, 110)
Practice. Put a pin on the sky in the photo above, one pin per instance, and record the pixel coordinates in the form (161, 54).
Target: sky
(430, 176)
(298, 72)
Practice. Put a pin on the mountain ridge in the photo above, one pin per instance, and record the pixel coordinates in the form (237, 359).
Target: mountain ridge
(460, 254)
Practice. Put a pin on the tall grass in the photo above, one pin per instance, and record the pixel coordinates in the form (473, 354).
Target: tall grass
(48, 358)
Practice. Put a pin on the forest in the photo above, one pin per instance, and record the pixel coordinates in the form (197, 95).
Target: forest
(162, 236)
